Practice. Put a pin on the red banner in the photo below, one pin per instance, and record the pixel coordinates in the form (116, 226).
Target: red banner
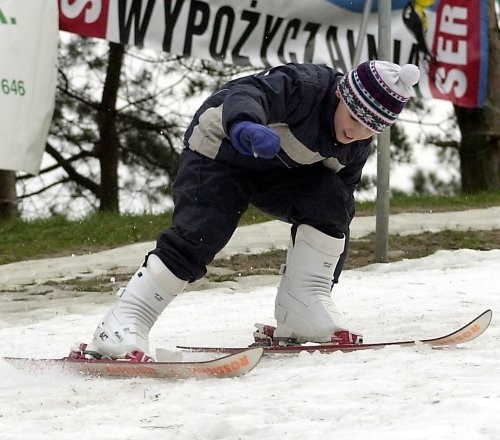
(88, 18)
(457, 52)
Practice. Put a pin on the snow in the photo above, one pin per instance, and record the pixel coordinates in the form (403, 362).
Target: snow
(394, 393)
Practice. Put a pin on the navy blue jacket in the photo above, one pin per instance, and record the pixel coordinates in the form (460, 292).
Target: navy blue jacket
(296, 100)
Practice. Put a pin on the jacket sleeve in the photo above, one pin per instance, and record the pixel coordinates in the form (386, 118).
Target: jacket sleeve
(281, 94)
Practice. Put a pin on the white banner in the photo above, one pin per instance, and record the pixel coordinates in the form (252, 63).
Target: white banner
(448, 39)
(28, 75)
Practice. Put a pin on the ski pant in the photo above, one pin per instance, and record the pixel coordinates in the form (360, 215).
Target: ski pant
(210, 197)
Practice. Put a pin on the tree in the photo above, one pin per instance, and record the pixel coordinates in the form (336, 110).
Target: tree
(8, 199)
(479, 147)
(108, 147)
(87, 132)
(118, 125)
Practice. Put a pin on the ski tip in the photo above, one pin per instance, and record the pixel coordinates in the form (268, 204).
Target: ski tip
(487, 316)
(467, 333)
(482, 322)
(484, 318)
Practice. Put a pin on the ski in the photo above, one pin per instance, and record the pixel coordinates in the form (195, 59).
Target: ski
(236, 364)
(464, 334)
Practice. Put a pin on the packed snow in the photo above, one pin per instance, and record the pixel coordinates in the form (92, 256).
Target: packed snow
(394, 393)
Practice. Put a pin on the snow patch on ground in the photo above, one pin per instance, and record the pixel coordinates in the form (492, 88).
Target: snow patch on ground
(394, 393)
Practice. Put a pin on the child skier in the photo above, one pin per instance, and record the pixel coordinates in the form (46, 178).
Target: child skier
(292, 141)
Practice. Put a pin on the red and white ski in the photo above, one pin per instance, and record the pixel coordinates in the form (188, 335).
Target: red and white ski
(233, 365)
(464, 334)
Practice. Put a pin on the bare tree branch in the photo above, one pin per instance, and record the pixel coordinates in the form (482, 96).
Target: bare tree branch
(72, 173)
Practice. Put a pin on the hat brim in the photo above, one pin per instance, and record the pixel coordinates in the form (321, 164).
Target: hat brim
(355, 116)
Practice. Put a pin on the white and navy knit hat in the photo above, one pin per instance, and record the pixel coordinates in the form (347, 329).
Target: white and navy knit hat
(376, 92)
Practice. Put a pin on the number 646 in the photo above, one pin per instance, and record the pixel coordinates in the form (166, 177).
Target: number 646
(13, 86)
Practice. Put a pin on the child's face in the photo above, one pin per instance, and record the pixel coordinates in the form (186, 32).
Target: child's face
(348, 129)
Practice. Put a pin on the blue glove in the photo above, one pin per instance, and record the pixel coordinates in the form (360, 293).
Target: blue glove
(255, 139)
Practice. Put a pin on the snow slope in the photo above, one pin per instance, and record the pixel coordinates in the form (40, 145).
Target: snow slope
(395, 393)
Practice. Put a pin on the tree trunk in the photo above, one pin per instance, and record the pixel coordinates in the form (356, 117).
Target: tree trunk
(8, 197)
(480, 144)
(109, 145)
(479, 151)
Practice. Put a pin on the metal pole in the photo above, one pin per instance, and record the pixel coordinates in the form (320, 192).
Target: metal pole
(383, 144)
(362, 33)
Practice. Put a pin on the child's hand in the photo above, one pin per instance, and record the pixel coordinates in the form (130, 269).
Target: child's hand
(255, 139)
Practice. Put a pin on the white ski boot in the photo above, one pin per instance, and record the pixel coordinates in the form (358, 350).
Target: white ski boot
(304, 309)
(125, 327)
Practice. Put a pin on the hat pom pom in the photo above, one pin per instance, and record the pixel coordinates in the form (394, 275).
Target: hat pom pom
(409, 74)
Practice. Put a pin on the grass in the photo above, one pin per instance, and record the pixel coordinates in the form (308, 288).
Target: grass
(55, 236)
(58, 236)
(429, 203)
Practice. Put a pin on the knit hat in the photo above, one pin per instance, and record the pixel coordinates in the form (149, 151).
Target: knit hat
(376, 92)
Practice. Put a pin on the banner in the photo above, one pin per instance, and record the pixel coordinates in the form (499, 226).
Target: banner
(446, 38)
(28, 74)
